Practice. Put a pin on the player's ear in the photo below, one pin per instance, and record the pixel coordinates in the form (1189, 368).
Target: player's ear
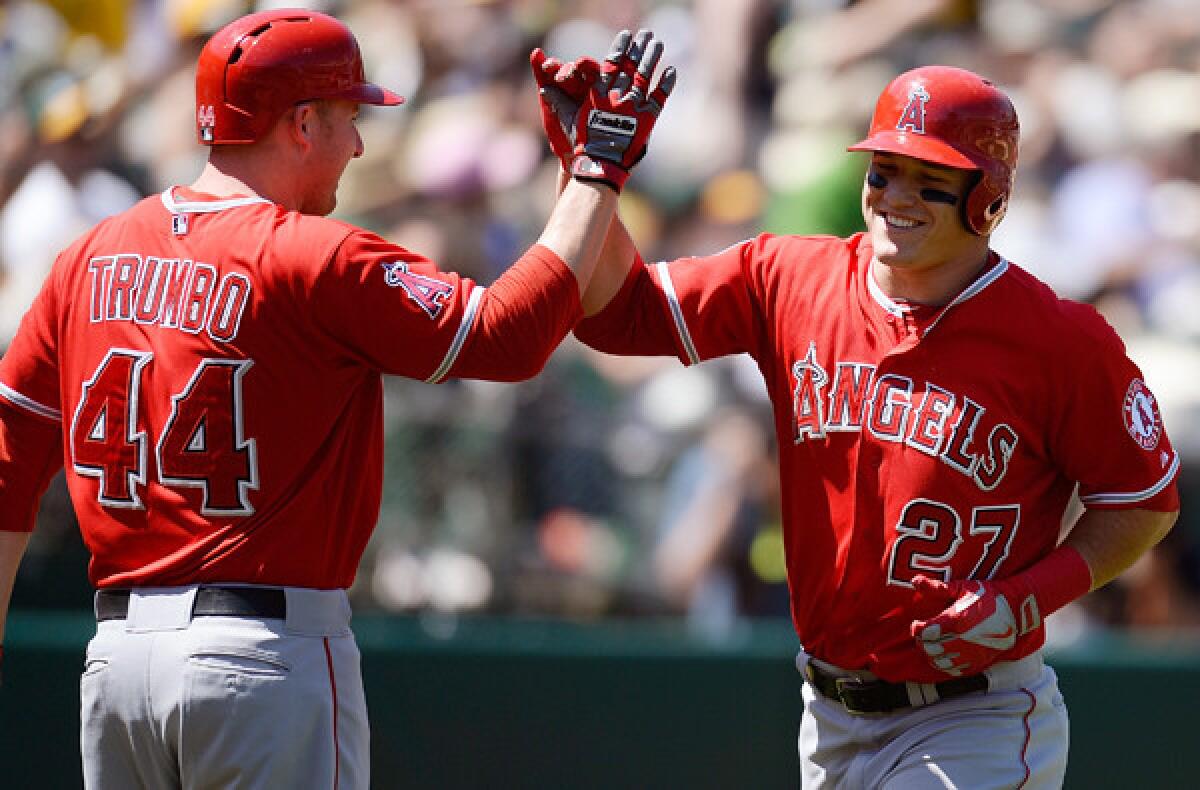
(302, 122)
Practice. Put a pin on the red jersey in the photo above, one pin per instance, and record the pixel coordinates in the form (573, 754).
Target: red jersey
(944, 442)
(215, 368)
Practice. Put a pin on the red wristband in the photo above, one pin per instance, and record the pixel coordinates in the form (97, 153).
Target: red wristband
(588, 168)
(1050, 584)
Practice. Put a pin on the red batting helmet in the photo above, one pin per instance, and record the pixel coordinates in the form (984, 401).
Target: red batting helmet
(256, 67)
(956, 118)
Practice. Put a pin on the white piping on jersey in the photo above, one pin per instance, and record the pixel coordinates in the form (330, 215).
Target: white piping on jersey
(460, 337)
(1136, 496)
(974, 288)
(668, 286)
(16, 398)
(204, 206)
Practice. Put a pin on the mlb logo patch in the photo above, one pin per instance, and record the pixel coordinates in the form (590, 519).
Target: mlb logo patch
(179, 224)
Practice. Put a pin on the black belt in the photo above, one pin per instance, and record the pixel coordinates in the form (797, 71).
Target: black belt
(878, 696)
(210, 601)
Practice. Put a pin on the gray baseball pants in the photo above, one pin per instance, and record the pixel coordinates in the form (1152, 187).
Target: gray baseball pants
(172, 700)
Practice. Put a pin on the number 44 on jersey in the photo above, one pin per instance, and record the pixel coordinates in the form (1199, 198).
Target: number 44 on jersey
(201, 444)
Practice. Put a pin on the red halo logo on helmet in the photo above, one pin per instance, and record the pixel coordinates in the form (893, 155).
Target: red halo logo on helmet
(1141, 415)
(913, 117)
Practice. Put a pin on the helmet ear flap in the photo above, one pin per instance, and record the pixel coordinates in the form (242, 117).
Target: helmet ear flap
(966, 206)
(996, 209)
(984, 205)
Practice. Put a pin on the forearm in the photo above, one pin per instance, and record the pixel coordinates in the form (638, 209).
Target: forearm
(12, 549)
(1101, 545)
(616, 256)
(1110, 541)
(578, 226)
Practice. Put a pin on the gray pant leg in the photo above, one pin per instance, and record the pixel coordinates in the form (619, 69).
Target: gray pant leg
(119, 743)
(271, 711)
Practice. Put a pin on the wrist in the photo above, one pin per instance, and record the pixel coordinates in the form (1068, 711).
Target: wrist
(589, 168)
(1056, 580)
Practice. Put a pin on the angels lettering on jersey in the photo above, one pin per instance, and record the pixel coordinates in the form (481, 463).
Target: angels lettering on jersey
(855, 397)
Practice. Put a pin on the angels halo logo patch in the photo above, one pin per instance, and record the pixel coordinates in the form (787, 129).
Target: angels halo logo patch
(428, 292)
(1141, 415)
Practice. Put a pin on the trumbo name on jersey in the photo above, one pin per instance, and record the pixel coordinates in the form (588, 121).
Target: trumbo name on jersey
(186, 295)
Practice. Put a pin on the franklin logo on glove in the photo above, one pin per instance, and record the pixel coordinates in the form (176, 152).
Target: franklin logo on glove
(613, 123)
(598, 116)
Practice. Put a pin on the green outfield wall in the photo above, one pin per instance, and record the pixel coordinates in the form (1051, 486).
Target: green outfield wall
(520, 704)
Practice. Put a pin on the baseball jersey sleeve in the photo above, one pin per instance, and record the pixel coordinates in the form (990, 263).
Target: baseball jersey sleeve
(1112, 440)
(29, 368)
(30, 416)
(30, 455)
(695, 308)
(396, 311)
(523, 317)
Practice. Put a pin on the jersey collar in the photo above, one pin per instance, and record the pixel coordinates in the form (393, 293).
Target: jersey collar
(203, 206)
(977, 285)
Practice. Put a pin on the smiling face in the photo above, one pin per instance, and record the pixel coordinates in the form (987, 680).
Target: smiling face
(912, 210)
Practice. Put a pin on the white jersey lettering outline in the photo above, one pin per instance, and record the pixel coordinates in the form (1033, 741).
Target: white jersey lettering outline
(167, 292)
(942, 425)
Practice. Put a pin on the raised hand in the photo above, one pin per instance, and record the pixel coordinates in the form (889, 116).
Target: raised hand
(562, 88)
(975, 628)
(598, 117)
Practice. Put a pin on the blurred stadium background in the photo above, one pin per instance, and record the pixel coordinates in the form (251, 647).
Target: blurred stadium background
(632, 499)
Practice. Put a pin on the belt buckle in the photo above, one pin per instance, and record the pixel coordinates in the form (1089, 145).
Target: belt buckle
(849, 691)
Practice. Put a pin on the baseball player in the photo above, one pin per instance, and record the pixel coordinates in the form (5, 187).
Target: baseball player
(207, 366)
(935, 408)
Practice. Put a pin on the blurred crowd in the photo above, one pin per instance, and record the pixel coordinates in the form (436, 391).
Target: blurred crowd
(619, 487)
